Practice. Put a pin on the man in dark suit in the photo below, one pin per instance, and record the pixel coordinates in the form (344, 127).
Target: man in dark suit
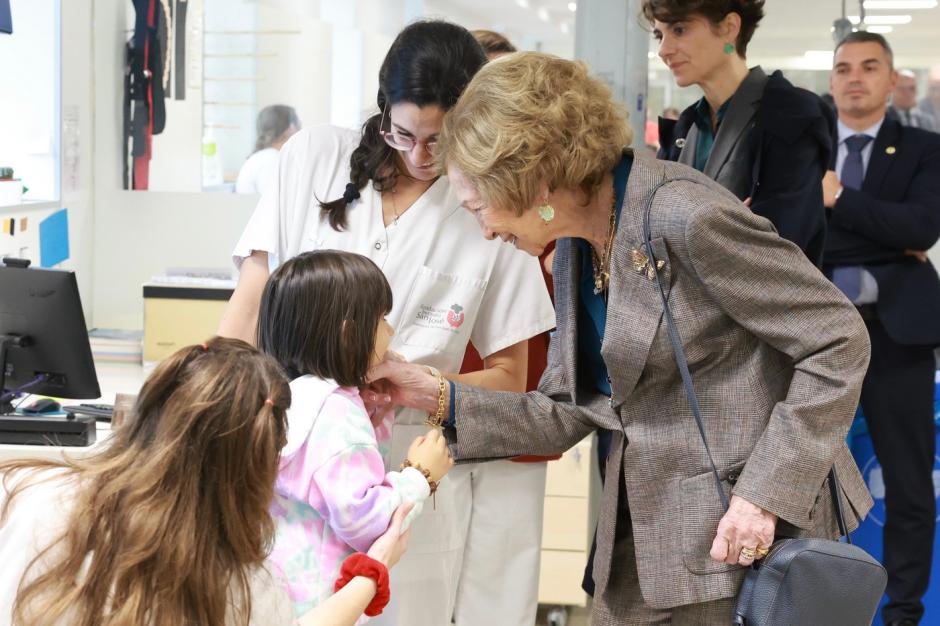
(884, 213)
(904, 103)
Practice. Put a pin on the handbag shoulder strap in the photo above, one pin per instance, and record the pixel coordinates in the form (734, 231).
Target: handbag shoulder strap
(674, 337)
(683, 364)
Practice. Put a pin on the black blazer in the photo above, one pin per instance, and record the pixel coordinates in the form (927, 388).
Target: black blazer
(897, 209)
(774, 145)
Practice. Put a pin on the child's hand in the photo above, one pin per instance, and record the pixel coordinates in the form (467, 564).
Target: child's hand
(392, 544)
(430, 452)
(377, 401)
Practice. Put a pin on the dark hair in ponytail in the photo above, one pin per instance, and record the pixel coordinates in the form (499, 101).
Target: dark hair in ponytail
(429, 63)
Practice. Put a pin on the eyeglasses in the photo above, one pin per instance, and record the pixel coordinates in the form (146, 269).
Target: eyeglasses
(399, 141)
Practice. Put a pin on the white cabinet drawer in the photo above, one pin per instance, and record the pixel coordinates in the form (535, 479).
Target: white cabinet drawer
(565, 524)
(560, 578)
(571, 474)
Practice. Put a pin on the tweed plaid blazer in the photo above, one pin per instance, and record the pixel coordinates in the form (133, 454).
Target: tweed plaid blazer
(777, 355)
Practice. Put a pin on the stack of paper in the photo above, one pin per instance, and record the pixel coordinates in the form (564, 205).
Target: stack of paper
(116, 346)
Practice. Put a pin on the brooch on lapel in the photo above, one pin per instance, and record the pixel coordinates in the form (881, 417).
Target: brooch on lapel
(641, 263)
(680, 142)
(890, 150)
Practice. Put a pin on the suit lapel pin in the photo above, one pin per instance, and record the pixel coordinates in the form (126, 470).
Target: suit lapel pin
(680, 142)
(641, 264)
(890, 150)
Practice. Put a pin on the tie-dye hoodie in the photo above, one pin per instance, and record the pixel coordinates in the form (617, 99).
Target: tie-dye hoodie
(333, 496)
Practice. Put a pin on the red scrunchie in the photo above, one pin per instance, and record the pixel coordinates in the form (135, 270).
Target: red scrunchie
(359, 564)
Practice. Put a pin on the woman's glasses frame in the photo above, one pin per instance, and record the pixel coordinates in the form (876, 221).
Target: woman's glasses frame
(398, 141)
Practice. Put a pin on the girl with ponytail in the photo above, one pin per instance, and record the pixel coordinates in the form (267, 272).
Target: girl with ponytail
(377, 192)
(169, 522)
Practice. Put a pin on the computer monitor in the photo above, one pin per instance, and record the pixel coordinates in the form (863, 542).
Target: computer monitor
(44, 339)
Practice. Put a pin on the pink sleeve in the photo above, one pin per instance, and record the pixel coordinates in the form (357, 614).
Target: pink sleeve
(339, 471)
(360, 498)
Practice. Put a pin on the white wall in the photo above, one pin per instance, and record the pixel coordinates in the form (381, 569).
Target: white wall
(28, 132)
(139, 234)
(77, 196)
(77, 98)
(296, 70)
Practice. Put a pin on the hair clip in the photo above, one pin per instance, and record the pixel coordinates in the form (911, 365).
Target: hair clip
(269, 402)
(204, 347)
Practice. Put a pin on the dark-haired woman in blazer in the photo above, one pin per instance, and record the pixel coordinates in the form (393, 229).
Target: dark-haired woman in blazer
(760, 137)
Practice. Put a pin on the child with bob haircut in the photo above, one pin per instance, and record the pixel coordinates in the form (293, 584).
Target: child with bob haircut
(322, 317)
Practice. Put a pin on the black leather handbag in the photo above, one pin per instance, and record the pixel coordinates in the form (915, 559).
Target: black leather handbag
(809, 582)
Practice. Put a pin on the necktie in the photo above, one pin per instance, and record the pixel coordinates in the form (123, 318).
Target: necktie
(853, 170)
(849, 279)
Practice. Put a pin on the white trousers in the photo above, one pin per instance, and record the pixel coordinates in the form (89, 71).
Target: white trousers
(499, 580)
(474, 555)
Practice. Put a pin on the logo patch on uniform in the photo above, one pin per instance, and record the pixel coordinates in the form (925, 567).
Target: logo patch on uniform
(455, 315)
(438, 318)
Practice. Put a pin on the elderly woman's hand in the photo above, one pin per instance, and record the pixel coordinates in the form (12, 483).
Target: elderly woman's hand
(407, 384)
(744, 533)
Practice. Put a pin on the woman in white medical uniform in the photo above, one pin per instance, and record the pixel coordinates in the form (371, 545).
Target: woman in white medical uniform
(275, 124)
(377, 193)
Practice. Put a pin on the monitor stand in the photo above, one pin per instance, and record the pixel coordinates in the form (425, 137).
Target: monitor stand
(42, 430)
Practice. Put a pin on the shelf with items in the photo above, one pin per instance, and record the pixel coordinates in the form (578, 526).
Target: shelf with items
(29, 205)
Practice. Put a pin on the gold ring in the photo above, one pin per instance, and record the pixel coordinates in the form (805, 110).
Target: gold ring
(749, 553)
(762, 552)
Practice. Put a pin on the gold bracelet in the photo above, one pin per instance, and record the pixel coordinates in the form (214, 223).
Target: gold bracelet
(437, 421)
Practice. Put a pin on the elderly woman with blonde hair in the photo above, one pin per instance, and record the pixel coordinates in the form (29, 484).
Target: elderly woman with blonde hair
(535, 150)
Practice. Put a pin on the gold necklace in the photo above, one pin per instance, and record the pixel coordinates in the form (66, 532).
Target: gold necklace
(395, 204)
(601, 266)
(394, 208)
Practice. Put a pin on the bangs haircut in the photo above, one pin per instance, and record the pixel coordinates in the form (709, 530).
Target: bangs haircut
(320, 313)
(531, 118)
(674, 11)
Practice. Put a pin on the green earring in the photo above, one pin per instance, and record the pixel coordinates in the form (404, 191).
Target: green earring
(729, 48)
(546, 212)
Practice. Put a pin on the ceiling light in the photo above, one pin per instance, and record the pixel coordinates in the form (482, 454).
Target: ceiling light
(816, 60)
(573, 6)
(651, 55)
(821, 56)
(880, 28)
(543, 14)
(882, 19)
(565, 28)
(523, 3)
(904, 5)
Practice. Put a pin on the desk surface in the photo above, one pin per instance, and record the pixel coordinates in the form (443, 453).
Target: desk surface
(113, 378)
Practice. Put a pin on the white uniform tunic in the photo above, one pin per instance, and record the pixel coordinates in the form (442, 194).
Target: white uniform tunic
(259, 172)
(450, 286)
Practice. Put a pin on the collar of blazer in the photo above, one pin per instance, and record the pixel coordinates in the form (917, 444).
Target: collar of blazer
(676, 137)
(634, 309)
(782, 110)
(741, 111)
